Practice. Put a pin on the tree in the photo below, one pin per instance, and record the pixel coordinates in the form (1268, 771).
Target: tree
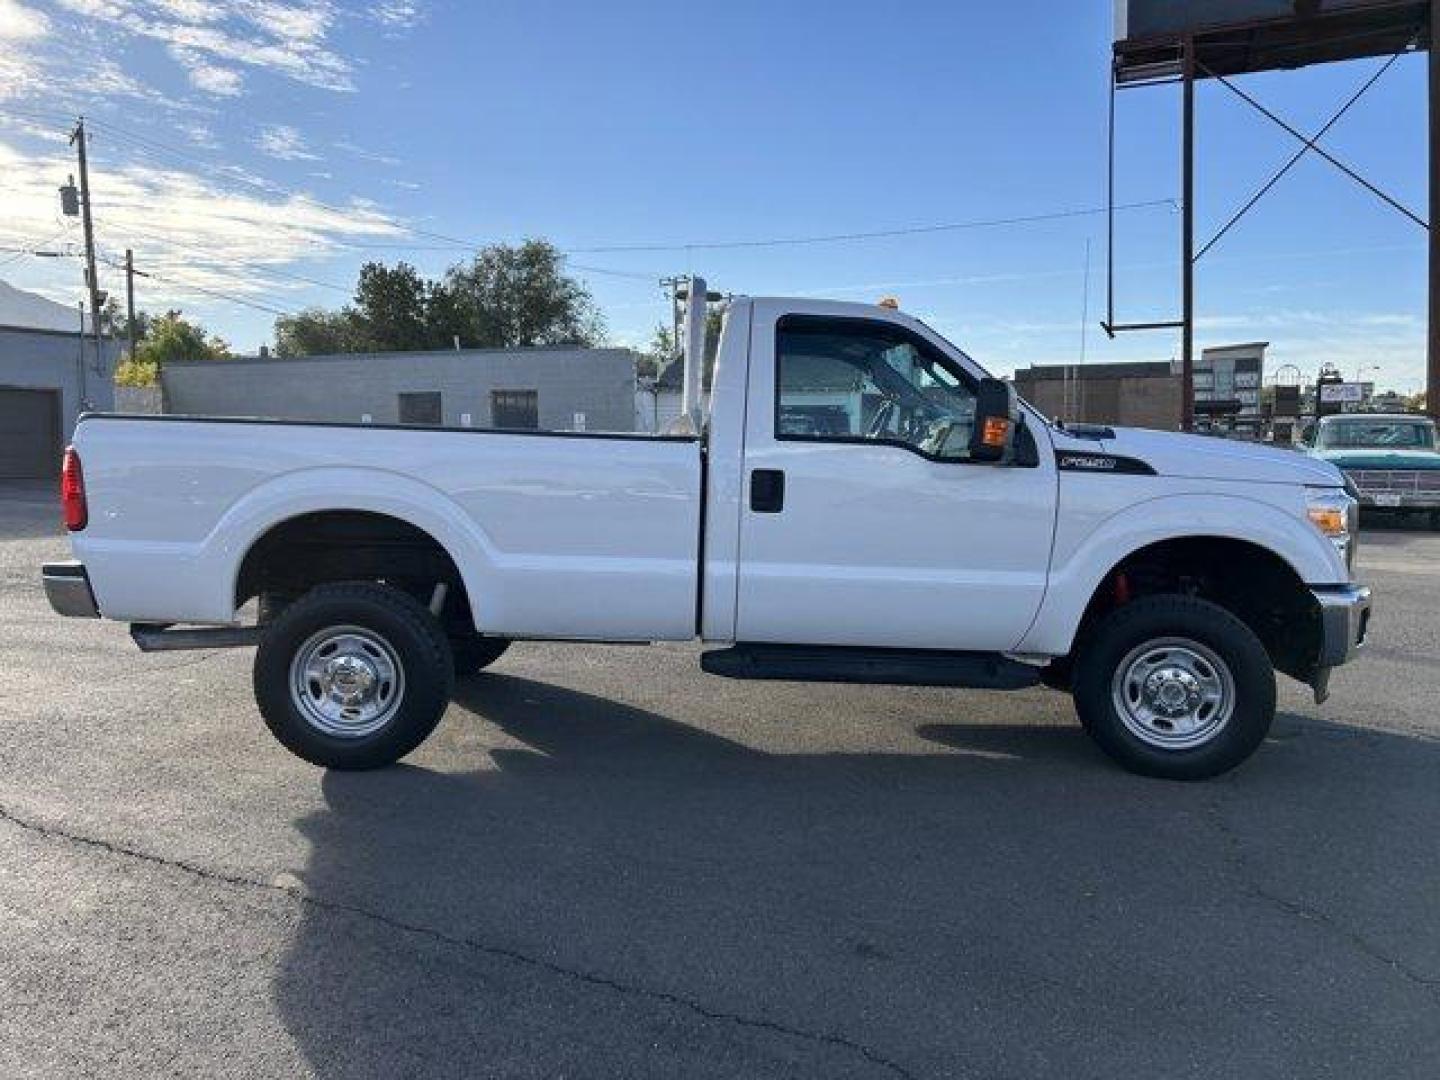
(173, 337)
(505, 297)
(114, 322)
(392, 307)
(317, 332)
(663, 350)
(659, 353)
(515, 296)
(158, 341)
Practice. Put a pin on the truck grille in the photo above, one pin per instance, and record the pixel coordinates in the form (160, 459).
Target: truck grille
(1404, 481)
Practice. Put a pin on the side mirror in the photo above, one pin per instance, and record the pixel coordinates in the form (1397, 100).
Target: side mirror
(995, 416)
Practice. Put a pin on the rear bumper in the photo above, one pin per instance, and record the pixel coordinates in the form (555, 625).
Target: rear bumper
(67, 587)
(1344, 622)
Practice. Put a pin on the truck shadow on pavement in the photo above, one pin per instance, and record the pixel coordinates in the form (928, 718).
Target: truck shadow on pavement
(625, 895)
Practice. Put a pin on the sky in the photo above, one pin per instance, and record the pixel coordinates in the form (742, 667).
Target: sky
(253, 153)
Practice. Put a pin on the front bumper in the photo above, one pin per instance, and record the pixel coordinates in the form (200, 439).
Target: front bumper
(1344, 622)
(67, 587)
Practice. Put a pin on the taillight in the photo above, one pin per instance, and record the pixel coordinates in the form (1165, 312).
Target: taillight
(72, 492)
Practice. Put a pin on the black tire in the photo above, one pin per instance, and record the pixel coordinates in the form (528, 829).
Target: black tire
(1120, 639)
(474, 653)
(269, 606)
(416, 647)
(1059, 675)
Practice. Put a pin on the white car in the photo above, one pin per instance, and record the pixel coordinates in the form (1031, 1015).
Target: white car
(932, 531)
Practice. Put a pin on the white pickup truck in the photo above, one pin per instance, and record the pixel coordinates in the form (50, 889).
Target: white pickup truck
(859, 502)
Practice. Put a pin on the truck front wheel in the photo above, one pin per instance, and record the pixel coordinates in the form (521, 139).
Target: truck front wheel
(1175, 687)
(353, 675)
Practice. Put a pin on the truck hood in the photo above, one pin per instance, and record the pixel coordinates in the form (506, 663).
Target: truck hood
(1378, 457)
(1204, 457)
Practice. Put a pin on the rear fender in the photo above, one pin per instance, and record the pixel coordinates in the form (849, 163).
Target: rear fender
(375, 491)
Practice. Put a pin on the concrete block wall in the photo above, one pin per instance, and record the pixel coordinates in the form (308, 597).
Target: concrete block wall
(600, 383)
(143, 400)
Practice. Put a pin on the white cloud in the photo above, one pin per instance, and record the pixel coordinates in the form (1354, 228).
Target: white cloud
(367, 155)
(201, 135)
(185, 228)
(212, 40)
(213, 79)
(21, 23)
(284, 142)
(397, 14)
(20, 26)
(20, 76)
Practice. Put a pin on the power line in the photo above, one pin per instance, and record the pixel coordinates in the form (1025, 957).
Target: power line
(832, 238)
(35, 248)
(649, 279)
(152, 147)
(180, 283)
(449, 241)
(260, 268)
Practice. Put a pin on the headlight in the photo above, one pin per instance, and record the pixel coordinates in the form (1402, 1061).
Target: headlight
(1336, 515)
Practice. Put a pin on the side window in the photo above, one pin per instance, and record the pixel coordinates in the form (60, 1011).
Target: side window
(850, 379)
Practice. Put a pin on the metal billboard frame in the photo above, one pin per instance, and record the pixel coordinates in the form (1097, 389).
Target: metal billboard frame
(1222, 53)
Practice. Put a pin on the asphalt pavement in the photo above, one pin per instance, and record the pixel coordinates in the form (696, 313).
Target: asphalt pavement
(606, 864)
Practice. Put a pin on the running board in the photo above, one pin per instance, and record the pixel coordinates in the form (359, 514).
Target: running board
(161, 637)
(896, 667)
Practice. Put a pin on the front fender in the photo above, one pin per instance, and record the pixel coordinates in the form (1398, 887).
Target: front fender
(1080, 564)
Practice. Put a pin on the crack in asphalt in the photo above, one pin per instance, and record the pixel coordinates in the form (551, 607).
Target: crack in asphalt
(578, 975)
(1240, 863)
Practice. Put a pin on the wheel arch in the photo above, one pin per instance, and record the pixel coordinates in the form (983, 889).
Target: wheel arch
(1233, 539)
(316, 496)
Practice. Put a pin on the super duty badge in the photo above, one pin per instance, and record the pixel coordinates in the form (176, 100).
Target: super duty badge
(1070, 461)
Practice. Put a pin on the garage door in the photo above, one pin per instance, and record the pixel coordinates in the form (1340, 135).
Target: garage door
(29, 434)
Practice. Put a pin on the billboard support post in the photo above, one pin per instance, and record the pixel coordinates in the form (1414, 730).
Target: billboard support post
(1187, 244)
(1432, 363)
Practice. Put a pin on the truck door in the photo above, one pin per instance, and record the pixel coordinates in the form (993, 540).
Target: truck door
(864, 521)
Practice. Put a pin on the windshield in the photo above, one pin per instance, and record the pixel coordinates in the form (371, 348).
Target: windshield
(1403, 434)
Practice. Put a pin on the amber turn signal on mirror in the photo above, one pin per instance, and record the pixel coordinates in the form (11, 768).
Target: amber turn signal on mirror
(996, 431)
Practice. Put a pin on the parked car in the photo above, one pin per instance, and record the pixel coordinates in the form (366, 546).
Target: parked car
(1392, 459)
(947, 536)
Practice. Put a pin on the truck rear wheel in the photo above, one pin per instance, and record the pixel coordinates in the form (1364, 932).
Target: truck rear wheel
(475, 653)
(353, 675)
(1175, 687)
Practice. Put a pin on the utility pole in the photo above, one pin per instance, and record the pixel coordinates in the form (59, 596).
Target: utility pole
(672, 286)
(130, 299)
(77, 140)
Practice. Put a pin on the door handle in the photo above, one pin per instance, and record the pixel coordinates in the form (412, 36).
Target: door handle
(767, 491)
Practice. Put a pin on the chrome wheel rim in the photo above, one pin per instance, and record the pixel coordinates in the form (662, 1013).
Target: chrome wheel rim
(1173, 693)
(347, 681)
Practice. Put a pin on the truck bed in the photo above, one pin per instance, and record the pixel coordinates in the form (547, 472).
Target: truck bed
(556, 534)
